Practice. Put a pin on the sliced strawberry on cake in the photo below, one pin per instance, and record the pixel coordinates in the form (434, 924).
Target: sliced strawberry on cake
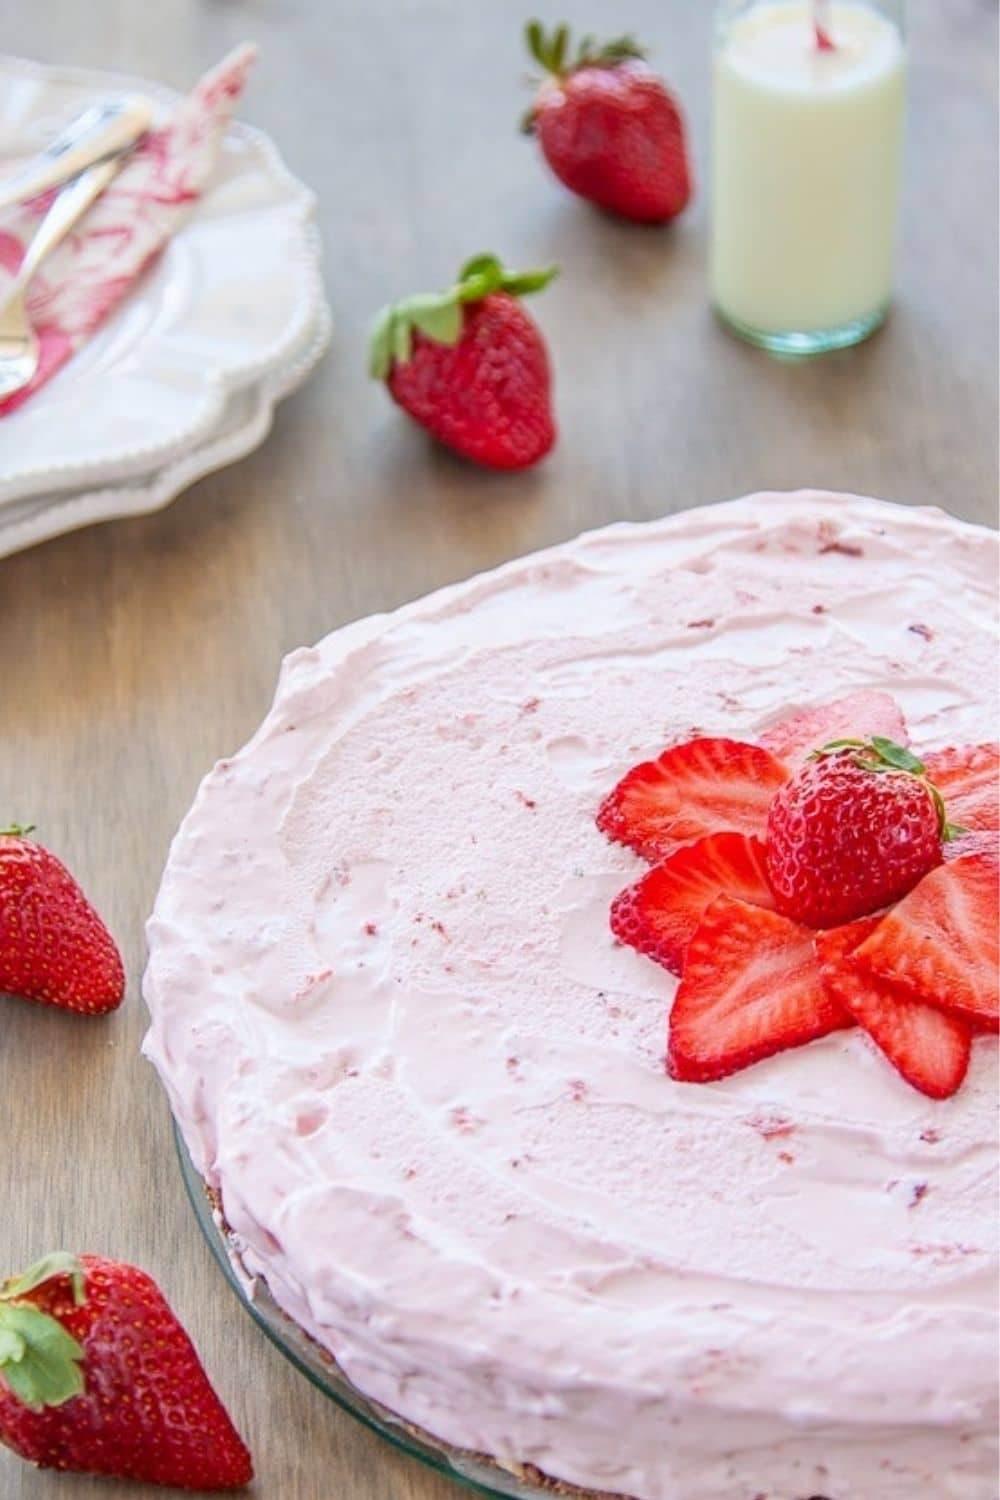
(701, 787)
(928, 1046)
(940, 942)
(969, 781)
(769, 898)
(751, 987)
(658, 916)
(859, 716)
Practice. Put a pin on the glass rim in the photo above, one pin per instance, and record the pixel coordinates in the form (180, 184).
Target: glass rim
(477, 1472)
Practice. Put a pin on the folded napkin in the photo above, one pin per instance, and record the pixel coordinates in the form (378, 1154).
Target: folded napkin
(92, 270)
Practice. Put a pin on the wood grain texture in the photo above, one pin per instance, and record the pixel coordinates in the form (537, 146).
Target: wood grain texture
(137, 652)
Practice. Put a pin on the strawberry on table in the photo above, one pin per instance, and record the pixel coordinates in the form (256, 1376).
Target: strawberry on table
(751, 987)
(928, 1046)
(608, 126)
(53, 946)
(659, 915)
(700, 787)
(98, 1377)
(859, 716)
(969, 781)
(854, 829)
(470, 365)
(940, 943)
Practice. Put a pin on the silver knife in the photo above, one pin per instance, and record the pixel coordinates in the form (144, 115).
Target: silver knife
(104, 130)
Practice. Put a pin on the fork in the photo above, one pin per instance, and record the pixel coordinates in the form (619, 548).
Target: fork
(19, 346)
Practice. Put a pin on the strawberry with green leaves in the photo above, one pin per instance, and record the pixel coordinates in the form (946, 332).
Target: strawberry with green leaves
(98, 1377)
(608, 126)
(470, 365)
(54, 948)
(852, 831)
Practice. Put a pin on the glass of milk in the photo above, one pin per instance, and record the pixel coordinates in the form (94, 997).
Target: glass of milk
(808, 130)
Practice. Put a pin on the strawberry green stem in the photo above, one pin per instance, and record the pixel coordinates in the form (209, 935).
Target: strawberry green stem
(552, 52)
(17, 831)
(438, 315)
(39, 1359)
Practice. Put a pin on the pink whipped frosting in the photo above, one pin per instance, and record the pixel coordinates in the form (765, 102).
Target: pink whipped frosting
(401, 1042)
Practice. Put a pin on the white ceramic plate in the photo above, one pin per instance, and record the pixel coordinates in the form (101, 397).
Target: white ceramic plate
(228, 311)
(245, 423)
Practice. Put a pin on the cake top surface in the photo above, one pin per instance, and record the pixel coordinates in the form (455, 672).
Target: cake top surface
(399, 1037)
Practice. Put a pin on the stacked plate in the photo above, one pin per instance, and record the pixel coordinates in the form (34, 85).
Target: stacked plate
(184, 377)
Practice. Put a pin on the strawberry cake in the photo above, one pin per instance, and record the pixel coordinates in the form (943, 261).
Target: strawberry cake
(547, 1055)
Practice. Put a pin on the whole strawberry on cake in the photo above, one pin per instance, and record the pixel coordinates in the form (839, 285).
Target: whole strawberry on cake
(579, 999)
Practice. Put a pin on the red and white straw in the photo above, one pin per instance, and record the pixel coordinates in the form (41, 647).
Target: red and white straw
(821, 25)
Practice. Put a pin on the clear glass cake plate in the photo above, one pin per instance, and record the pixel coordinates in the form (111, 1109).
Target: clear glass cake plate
(476, 1472)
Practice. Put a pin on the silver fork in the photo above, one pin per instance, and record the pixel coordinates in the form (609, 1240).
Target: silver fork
(19, 347)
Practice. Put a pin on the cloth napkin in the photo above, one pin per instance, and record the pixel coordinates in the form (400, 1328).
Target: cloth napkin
(92, 270)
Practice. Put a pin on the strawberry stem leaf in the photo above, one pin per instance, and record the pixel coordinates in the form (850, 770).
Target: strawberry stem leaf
(553, 53)
(438, 315)
(59, 1263)
(523, 283)
(877, 754)
(17, 831)
(832, 746)
(560, 47)
(39, 1359)
(897, 756)
(534, 35)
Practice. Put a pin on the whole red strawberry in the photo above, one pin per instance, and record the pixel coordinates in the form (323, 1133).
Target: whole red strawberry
(471, 366)
(53, 945)
(97, 1376)
(608, 126)
(855, 828)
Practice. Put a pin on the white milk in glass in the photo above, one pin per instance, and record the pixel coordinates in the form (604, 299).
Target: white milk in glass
(807, 153)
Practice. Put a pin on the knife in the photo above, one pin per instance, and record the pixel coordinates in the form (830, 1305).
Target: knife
(104, 130)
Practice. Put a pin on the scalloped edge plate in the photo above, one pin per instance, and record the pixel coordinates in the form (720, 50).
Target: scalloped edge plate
(232, 302)
(245, 423)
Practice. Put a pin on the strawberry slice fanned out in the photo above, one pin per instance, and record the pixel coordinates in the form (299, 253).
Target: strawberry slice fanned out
(751, 987)
(856, 717)
(940, 942)
(700, 787)
(928, 1046)
(969, 781)
(658, 916)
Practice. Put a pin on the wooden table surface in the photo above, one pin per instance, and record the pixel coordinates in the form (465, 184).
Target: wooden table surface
(137, 652)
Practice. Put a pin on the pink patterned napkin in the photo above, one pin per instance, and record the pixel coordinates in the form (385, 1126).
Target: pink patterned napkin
(93, 269)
